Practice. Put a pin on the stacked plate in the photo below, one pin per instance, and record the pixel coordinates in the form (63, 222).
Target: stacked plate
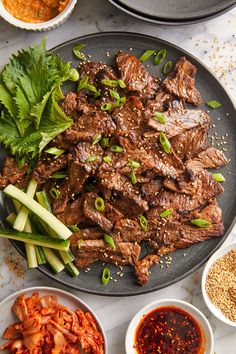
(174, 12)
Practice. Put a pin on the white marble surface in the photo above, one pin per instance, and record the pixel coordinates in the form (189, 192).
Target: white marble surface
(214, 42)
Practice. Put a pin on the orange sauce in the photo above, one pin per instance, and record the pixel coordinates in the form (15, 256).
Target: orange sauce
(35, 11)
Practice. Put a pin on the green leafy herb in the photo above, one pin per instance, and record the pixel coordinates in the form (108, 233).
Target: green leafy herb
(106, 106)
(218, 177)
(214, 104)
(167, 67)
(146, 55)
(77, 51)
(143, 222)
(83, 82)
(166, 213)
(134, 164)
(97, 138)
(160, 117)
(165, 143)
(106, 276)
(107, 159)
(116, 148)
(104, 143)
(109, 240)
(55, 151)
(29, 92)
(59, 175)
(99, 204)
(54, 193)
(114, 94)
(91, 158)
(200, 222)
(160, 56)
(133, 177)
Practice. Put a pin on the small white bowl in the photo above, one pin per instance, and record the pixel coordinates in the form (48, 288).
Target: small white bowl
(214, 310)
(192, 310)
(42, 26)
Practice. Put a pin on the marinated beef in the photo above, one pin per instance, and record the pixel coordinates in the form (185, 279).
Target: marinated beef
(142, 268)
(48, 165)
(11, 173)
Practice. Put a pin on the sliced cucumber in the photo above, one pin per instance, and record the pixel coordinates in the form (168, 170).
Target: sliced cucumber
(67, 256)
(36, 239)
(40, 255)
(22, 216)
(53, 260)
(71, 269)
(62, 231)
(31, 255)
(43, 200)
(11, 218)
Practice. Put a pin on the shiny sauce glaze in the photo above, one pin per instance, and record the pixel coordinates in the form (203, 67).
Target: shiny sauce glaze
(169, 330)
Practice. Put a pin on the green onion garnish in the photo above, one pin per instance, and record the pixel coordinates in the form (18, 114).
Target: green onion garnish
(91, 158)
(55, 151)
(133, 177)
(79, 244)
(166, 213)
(120, 101)
(74, 75)
(93, 89)
(160, 56)
(114, 94)
(104, 143)
(214, 104)
(111, 83)
(143, 223)
(121, 83)
(116, 148)
(99, 204)
(146, 55)
(106, 276)
(165, 143)
(83, 82)
(73, 228)
(59, 175)
(107, 159)
(109, 240)
(134, 164)
(54, 193)
(160, 117)
(106, 106)
(76, 50)
(200, 222)
(97, 138)
(218, 177)
(167, 67)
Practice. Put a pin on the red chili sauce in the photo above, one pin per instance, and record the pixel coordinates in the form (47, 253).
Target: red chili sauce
(169, 330)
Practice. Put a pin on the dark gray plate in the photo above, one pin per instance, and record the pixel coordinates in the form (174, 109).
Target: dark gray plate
(177, 9)
(210, 88)
(168, 22)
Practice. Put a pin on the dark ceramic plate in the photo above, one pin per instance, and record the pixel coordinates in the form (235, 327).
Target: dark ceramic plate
(168, 21)
(182, 266)
(177, 9)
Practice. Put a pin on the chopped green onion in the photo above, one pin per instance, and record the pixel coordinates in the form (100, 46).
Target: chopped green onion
(218, 177)
(55, 151)
(120, 101)
(114, 94)
(83, 82)
(134, 164)
(166, 213)
(107, 159)
(91, 158)
(79, 244)
(74, 75)
(106, 276)
(121, 83)
(200, 222)
(143, 223)
(146, 55)
(74, 228)
(116, 148)
(76, 50)
(111, 83)
(160, 56)
(167, 67)
(104, 143)
(59, 175)
(97, 138)
(133, 177)
(54, 193)
(160, 117)
(214, 104)
(165, 143)
(109, 240)
(99, 204)
(106, 106)
(93, 89)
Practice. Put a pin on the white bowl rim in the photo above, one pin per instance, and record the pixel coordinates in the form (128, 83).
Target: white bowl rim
(61, 292)
(7, 16)
(172, 302)
(212, 308)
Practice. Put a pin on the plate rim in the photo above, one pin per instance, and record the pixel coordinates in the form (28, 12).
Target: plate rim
(222, 240)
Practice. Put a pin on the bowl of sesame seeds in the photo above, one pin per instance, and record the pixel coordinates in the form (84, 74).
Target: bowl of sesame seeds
(219, 284)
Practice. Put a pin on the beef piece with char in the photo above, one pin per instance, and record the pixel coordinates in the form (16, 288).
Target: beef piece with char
(47, 165)
(12, 174)
(142, 268)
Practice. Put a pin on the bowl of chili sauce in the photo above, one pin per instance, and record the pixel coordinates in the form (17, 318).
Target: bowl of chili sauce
(169, 326)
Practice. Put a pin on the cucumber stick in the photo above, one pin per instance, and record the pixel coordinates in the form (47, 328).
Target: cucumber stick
(40, 255)
(62, 231)
(67, 256)
(71, 269)
(35, 239)
(54, 262)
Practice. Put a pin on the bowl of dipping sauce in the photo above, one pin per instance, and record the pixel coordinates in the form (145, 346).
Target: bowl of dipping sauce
(219, 284)
(36, 15)
(169, 326)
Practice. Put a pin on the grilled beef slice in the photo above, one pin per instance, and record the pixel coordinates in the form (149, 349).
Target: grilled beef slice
(181, 82)
(142, 268)
(47, 165)
(96, 72)
(11, 173)
(128, 231)
(73, 213)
